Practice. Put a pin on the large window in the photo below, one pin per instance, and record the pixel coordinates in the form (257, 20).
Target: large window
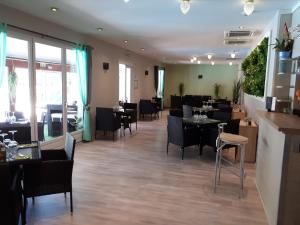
(50, 92)
(124, 83)
(160, 89)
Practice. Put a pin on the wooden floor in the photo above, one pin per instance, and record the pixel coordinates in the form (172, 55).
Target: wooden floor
(133, 182)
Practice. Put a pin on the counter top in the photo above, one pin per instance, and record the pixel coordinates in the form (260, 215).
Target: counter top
(286, 123)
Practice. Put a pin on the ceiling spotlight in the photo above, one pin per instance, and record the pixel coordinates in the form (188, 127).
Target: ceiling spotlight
(209, 56)
(212, 63)
(241, 27)
(99, 29)
(125, 42)
(248, 7)
(233, 55)
(185, 6)
(199, 62)
(54, 9)
(126, 1)
(192, 60)
(142, 49)
(230, 63)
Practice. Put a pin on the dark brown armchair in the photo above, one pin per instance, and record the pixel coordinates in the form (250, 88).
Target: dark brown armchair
(53, 174)
(11, 206)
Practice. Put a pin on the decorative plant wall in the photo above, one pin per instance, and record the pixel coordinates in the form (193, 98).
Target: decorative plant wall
(254, 67)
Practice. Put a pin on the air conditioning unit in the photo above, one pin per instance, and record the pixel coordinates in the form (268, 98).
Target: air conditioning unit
(239, 34)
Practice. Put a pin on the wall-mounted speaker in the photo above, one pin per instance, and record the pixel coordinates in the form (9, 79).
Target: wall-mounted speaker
(200, 76)
(105, 66)
(146, 73)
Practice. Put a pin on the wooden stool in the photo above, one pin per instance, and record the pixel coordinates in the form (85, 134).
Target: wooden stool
(229, 139)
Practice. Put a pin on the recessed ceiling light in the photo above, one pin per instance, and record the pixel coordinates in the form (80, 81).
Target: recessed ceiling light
(209, 56)
(185, 6)
(100, 29)
(230, 63)
(212, 63)
(54, 9)
(241, 27)
(126, 1)
(199, 62)
(192, 60)
(142, 49)
(125, 42)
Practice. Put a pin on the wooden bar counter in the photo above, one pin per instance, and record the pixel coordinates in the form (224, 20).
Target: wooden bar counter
(278, 167)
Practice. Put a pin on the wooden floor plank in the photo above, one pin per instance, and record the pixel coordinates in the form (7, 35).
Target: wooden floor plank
(133, 182)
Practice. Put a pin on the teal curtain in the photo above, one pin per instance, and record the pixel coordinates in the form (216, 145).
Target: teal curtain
(82, 63)
(2, 51)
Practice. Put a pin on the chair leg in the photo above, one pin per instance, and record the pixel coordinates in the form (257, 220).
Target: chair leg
(33, 201)
(167, 147)
(136, 125)
(216, 170)
(200, 150)
(242, 173)
(65, 194)
(24, 211)
(182, 154)
(71, 200)
(113, 136)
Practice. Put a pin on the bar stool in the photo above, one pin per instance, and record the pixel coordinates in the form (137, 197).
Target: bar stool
(224, 139)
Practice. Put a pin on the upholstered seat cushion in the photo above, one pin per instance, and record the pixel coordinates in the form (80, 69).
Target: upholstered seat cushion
(233, 138)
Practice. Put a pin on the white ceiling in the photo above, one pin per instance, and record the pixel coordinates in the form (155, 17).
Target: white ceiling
(158, 25)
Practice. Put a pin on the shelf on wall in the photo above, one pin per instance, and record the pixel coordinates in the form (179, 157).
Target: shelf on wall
(284, 100)
(283, 86)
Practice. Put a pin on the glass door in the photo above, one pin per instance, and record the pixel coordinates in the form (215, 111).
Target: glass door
(124, 83)
(49, 91)
(15, 110)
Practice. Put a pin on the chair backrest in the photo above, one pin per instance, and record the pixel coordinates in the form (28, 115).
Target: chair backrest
(146, 106)
(222, 116)
(70, 146)
(175, 130)
(187, 111)
(19, 116)
(104, 118)
(5, 186)
(130, 105)
(176, 101)
(233, 126)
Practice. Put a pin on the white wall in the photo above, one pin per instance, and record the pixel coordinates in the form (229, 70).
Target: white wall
(104, 84)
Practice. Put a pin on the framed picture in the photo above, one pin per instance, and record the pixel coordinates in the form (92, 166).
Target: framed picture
(136, 84)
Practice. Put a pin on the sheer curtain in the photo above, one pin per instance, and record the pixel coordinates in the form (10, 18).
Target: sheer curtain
(83, 63)
(2, 51)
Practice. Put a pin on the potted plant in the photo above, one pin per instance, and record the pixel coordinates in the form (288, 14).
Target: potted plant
(236, 92)
(217, 90)
(181, 89)
(12, 89)
(76, 123)
(284, 47)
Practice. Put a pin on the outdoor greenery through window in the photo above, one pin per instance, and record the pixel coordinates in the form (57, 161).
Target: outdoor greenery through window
(254, 68)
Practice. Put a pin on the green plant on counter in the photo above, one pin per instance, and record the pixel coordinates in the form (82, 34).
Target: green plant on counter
(77, 122)
(217, 88)
(236, 92)
(254, 68)
(181, 89)
(284, 45)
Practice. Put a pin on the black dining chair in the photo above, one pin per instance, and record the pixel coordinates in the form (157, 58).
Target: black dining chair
(222, 116)
(106, 120)
(148, 108)
(180, 135)
(187, 111)
(53, 175)
(11, 203)
(131, 110)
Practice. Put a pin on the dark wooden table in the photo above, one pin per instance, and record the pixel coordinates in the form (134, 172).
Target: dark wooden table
(26, 154)
(23, 134)
(200, 122)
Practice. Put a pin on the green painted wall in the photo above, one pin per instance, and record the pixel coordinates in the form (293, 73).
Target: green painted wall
(188, 74)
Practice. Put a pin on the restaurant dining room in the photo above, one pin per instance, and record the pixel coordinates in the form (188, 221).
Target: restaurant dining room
(130, 112)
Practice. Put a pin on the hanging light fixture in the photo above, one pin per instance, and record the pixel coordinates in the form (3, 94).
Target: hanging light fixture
(199, 62)
(230, 63)
(185, 6)
(209, 56)
(212, 63)
(126, 1)
(249, 7)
